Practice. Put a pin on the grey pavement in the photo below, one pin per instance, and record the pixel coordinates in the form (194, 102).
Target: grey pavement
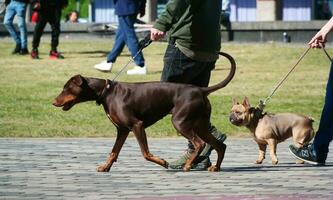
(66, 169)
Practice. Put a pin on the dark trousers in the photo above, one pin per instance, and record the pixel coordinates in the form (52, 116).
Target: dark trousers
(179, 68)
(325, 132)
(52, 15)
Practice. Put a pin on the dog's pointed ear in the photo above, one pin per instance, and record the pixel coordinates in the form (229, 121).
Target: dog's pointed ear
(78, 79)
(246, 103)
(234, 101)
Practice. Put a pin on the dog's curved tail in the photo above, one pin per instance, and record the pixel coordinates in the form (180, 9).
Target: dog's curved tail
(225, 82)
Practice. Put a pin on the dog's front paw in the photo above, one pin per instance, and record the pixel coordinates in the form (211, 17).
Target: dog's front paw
(213, 168)
(300, 162)
(186, 168)
(166, 164)
(258, 162)
(103, 168)
(274, 162)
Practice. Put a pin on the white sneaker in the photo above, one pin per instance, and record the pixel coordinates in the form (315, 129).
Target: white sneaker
(137, 70)
(104, 66)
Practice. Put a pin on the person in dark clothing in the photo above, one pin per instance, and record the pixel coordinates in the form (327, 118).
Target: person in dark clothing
(127, 11)
(225, 19)
(17, 8)
(49, 11)
(194, 42)
(316, 153)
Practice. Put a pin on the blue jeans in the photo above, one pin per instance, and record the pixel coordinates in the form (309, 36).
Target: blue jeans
(126, 35)
(325, 132)
(17, 8)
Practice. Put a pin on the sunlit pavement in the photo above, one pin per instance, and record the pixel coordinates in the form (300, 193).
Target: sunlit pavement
(66, 169)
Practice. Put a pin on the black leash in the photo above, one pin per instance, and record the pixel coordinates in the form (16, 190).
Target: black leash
(145, 42)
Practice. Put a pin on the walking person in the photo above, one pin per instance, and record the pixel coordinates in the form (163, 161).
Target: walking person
(49, 11)
(17, 8)
(194, 42)
(316, 153)
(225, 19)
(127, 12)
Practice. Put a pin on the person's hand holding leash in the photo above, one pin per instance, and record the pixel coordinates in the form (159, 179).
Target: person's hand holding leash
(156, 34)
(319, 40)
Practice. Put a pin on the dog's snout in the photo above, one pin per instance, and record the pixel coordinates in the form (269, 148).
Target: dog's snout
(232, 117)
(55, 102)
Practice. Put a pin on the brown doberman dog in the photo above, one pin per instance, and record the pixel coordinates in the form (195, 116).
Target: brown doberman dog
(136, 106)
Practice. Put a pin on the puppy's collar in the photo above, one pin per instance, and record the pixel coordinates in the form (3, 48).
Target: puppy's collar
(104, 92)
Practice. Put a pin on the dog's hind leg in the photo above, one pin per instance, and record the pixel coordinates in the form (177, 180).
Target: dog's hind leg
(141, 137)
(198, 144)
(219, 147)
(302, 137)
(121, 137)
(189, 131)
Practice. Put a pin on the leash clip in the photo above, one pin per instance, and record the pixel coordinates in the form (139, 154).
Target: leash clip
(261, 105)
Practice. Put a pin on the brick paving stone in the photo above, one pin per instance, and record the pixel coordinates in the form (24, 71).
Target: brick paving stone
(66, 169)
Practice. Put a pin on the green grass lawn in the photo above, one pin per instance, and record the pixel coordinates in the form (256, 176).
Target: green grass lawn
(28, 87)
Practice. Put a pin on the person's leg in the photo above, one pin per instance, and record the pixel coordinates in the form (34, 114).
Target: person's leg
(317, 152)
(8, 22)
(118, 45)
(21, 11)
(225, 21)
(325, 131)
(131, 40)
(181, 69)
(54, 20)
(39, 28)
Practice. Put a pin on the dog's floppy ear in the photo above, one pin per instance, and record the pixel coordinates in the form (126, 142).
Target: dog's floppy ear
(246, 103)
(78, 79)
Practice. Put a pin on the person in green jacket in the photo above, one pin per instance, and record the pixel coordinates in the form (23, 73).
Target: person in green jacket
(193, 29)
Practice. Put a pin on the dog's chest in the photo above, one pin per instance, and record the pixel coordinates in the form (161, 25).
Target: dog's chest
(112, 120)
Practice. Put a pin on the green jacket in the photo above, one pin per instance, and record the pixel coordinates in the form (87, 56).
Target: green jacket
(195, 26)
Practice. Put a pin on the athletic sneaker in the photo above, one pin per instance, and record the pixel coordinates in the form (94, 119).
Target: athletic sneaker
(137, 70)
(306, 154)
(55, 55)
(104, 66)
(34, 54)
(179, 164)
(203, 161)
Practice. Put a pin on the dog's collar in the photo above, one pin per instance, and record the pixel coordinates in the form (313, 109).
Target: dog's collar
(255, 115)
(107, 86)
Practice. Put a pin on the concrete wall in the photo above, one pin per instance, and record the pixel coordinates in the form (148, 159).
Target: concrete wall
(242, 31)
(273, 31)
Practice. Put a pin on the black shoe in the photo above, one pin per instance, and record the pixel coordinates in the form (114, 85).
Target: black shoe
(306, 154)
(17, 49)
(24, 51)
